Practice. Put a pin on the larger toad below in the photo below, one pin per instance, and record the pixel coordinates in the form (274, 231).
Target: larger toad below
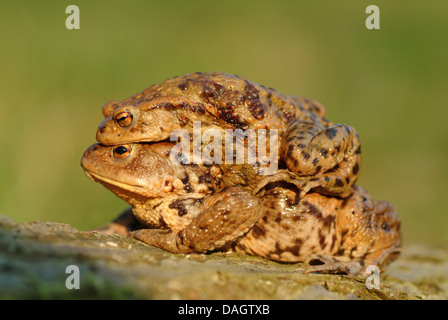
(332, 234)
(310, 145)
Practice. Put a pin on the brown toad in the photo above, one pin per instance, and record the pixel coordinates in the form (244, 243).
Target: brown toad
(194, 215)
(324, 156)
(160, 191)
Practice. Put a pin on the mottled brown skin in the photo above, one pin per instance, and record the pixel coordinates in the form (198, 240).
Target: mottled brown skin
(331, 234)
(322, 155)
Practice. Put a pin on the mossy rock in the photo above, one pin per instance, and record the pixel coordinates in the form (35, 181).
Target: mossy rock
(34, 257)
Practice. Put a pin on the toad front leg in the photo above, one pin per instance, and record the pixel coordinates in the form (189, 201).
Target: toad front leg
(329, 157)
(122, 225)
(226, 216)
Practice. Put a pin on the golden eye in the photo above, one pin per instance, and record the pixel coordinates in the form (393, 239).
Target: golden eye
(122, 152)
(124, 119)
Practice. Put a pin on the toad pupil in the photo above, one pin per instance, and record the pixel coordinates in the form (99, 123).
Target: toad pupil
(121, 150)
(124, 119)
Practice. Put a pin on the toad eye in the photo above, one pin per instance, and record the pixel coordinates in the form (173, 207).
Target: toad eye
(122, 152)
(124, 119)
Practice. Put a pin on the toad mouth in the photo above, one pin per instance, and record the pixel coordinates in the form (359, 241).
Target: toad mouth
(133, 188)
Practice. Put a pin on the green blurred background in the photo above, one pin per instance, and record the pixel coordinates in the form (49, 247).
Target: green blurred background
(390, 84)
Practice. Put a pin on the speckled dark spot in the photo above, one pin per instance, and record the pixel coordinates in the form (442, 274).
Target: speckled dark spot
(206, 177)
(322, 241)
(290, 117)
(331, 133)
(208, 93)
(183, 119)
(328, 221)
(323, 152)
(183, 86)
(196, 107)
(228, 114)
(166, 106)
(177, 204)
(252, 101)
(186, 181)
(278, 251)
(355, 168)
(296, 163)
(290, 149)
(352, 250)
(295, 249)
(312, 210)
(258, 232)
(333, 242)
(338, 183)
(315, 161)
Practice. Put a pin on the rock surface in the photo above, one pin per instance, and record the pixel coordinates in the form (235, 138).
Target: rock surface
(34, 257)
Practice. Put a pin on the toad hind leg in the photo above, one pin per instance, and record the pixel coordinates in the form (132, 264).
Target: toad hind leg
(330, 264)
(226, 216)
(331, 156)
